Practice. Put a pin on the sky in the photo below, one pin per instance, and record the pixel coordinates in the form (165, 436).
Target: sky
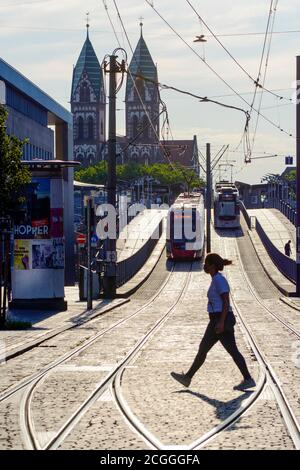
(43, 38)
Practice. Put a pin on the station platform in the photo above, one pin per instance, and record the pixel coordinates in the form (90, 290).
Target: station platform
(278, 228)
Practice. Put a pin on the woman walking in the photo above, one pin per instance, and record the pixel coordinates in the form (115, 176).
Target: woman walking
(220, 326)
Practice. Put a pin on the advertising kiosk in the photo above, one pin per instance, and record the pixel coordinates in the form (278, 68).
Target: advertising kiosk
(38, 270)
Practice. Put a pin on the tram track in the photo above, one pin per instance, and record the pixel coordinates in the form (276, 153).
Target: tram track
(13, 390)
(268, 372)
(30, 435)
(153, 442)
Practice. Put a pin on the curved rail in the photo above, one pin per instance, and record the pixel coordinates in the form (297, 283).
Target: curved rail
(68, 426)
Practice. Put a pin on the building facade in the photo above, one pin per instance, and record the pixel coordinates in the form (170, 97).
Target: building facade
(142, 143)
(32, 115)
(142, 106)
(88, 105)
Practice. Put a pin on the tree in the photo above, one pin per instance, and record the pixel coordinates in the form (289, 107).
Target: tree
(95, 174)
(13, 177)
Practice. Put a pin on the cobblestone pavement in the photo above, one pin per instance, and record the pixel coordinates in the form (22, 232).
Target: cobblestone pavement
(279, 345)
(173, 414)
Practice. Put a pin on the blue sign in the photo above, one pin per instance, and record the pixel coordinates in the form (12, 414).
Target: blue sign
(288, 160)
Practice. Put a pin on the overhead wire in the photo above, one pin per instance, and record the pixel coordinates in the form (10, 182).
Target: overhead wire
(165, 153)
(273, 9)
(256, 82)
(165, 150)
(215, 72)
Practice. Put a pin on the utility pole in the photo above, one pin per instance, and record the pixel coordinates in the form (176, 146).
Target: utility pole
(208, 198)
(110, 285)
(110, 282)
(298, 177)
(89, 255)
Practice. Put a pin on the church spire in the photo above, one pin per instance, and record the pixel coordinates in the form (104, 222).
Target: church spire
(87, 24)
(141, 25)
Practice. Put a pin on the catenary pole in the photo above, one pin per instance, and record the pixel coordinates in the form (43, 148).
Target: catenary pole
(208, 198)
(298, 178)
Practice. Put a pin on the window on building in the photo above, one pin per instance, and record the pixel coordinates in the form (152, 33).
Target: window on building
(80, 157)
(145, 127)
(85, 95)
(135, 124)
(90, 127)
(139, 89)
(102, 127)
(80, 127)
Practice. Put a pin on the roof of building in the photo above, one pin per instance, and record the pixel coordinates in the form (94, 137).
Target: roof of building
(80, 184)
(89, 63)
(181, 151)
(141, 63)
(56, 112)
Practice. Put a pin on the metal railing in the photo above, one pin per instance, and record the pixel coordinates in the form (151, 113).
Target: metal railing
(127, 268)
(288, 210)
(284, 264)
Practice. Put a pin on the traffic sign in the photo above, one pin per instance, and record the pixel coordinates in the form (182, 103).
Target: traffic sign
(80, 239)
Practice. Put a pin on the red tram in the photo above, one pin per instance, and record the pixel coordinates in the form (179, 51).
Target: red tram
(185, 227)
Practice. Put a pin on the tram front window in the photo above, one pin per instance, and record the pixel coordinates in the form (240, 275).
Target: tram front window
(227, 209)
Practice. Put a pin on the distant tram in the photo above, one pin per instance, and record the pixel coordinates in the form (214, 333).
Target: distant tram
(226, 205)
(185, 227)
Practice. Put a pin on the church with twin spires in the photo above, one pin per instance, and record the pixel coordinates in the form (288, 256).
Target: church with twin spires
(141, 143)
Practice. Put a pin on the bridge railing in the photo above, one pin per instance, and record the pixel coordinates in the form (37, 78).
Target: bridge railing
(288, 210)
(284, 264)
(127, 268)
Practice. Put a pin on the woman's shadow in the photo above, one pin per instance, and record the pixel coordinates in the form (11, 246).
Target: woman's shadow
(223, 409)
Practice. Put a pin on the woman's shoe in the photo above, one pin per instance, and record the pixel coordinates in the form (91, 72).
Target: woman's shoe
(245, 384)
(181, 378)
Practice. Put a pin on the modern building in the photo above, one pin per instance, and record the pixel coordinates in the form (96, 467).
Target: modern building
(34, 115)
(254, 196)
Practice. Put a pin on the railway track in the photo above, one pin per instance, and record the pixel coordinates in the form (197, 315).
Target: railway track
(40, 374)
(28, 430)
(267, 377)
(266, 368)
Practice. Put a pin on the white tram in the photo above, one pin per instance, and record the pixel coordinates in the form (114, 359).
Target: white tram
(226, 205)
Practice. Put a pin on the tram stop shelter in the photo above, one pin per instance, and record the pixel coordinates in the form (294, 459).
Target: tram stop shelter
(38, 268)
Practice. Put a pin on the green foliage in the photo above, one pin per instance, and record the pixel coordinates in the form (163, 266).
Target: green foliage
(13, 175)
(96, 174)
(165, 174)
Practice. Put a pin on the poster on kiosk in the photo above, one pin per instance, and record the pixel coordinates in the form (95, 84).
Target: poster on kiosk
(38, 266)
